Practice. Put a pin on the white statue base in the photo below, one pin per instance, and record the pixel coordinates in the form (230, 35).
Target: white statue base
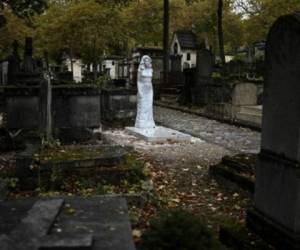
(159, 134)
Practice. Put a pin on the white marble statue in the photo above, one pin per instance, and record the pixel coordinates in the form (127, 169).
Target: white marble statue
(144, 118)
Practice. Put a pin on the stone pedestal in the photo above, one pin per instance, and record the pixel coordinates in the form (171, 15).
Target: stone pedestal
(159, 134)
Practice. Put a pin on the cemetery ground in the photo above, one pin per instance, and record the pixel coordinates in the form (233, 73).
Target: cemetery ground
(165, 176)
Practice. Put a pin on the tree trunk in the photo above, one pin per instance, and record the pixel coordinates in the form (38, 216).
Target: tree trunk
(220, 32)
(166, 41)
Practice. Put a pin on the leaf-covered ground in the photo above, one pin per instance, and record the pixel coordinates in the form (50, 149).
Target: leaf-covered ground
(177, 177)
(179, 172)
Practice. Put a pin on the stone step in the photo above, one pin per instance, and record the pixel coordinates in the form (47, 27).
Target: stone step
(250, 118)
(238, 169)
(255, 110)
(228, 174)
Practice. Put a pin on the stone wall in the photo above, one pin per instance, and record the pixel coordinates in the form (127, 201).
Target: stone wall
(118, 107)
(72, 107)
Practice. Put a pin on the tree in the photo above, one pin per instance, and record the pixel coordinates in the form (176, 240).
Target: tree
(166, 39)
(15, 28)
(259, 15)
(143, 23)
(86, 29)
(24, 9)
(220, 31)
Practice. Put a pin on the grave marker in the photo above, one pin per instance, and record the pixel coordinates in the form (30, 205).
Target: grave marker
(276, 213)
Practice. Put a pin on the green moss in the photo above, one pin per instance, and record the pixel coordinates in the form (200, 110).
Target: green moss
(136, 169)
(71, 153)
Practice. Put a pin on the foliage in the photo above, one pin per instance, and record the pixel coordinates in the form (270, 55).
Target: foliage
(91, 29)
(24, 9)
(103, 81)
(86, 29)
(50, 143)
(259, 15)
(15, 29)
(143, 22)
(179, 230)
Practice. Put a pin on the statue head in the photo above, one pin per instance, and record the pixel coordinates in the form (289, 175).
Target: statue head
(146, 63)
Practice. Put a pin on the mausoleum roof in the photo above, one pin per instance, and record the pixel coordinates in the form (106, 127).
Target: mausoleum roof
(187, 39)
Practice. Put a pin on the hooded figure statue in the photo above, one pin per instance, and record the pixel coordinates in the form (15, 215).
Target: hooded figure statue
(144, 118)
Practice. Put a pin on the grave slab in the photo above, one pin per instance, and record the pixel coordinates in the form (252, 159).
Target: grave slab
(98, 223)
(70, 242)
(159, 134)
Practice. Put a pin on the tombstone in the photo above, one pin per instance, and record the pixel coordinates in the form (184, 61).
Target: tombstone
(3, 72)
(13, 65)
(185, 96)
(203, 89)
(176, 63)
(244, 94)
(204, 66)
(30, 74)
(276, 213)
(28, 52)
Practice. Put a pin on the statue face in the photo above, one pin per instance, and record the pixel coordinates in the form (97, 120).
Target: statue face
(148, 63)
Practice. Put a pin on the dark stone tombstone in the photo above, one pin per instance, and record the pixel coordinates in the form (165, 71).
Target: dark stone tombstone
(28, 60)
(185, 96)
(203, 89)
(13, 65)
(276, 213)
(175, 63)
(118, 107)
(6, 141)
(204, 66)
(30, 74)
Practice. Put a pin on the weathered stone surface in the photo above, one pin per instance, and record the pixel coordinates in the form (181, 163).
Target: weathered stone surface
(105, 217)
(36, 224)
(72, 107)
(244, 94)
(3, 189)
(281, 115)
(118, 107)
(70, 242)
(277, 190)
(101, 220)
(107, 156)
(205, 64)
(76, 107)
(159, 134)
(22, 112)
(40, 217)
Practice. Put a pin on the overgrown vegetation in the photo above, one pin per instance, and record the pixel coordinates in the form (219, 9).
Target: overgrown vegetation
(179, 230)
